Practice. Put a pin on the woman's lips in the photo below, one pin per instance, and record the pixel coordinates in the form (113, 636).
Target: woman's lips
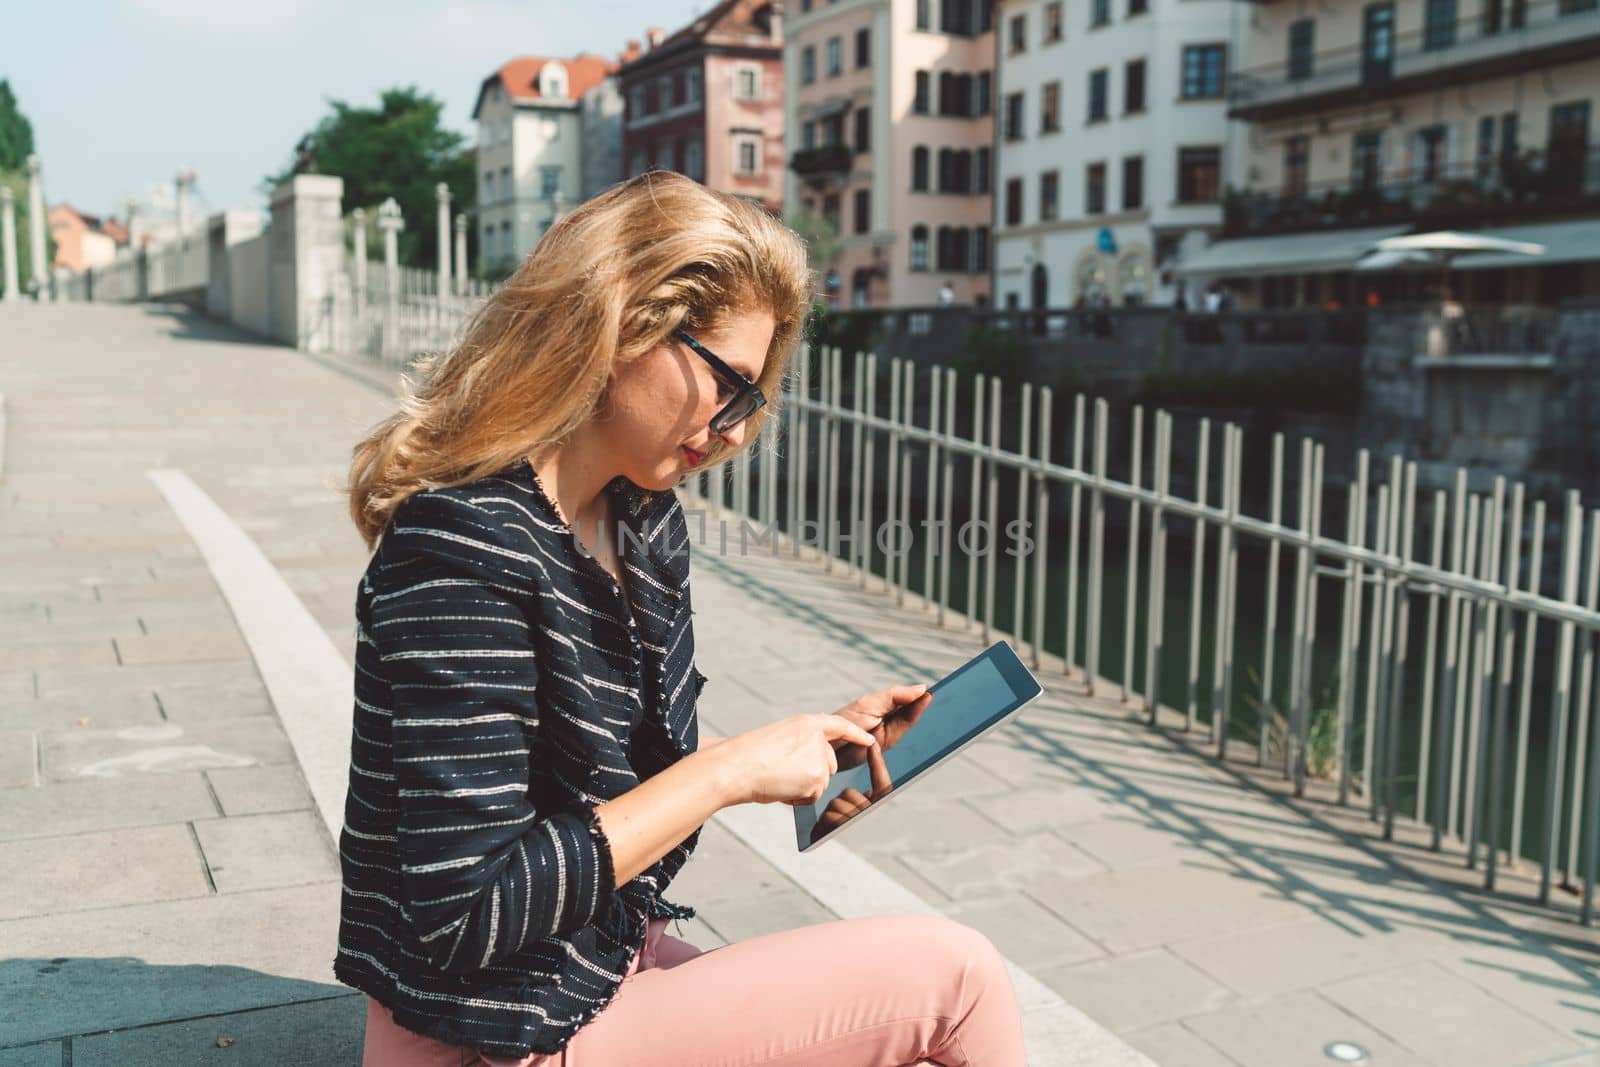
(692, 456)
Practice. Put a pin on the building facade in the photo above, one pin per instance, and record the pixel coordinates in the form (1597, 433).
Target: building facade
(532, 149)
(890, 137)
(1371, 119)
(1114, 141)
(83, 241)
(707, 101)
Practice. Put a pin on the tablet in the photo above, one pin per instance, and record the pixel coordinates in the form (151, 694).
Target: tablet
(972, 700)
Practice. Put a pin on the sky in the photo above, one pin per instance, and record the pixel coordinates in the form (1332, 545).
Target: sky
(123, 95)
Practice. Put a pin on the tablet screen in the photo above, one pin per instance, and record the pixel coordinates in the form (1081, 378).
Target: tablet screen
(975, 697)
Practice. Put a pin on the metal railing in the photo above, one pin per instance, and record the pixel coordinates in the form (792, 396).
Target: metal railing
(1455, 731)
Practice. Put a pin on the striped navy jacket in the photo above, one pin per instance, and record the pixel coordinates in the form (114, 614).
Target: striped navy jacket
(504, 688)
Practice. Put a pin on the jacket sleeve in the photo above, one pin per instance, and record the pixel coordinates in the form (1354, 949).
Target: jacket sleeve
(482, 873)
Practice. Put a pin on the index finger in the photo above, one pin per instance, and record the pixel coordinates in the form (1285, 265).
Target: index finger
(879, 769)
(839, 726)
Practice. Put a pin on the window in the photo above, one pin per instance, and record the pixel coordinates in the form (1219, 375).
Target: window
(1377, 43)
(919, 169)
(1014, 202)
(863, 122)
(985, 15)
(1203, 71)
(980, 250)
(955, 170)
(808, 135)
(955, 94)
(1013, 116)
(924, 14)
(954, 248)
(981, 170)
(1485, 168)
(1133, 87)
(507, 249)
(488, 188)
(835, 57)
(982, 92)
(1431, 152)
(636, 102)
(694, 160)
(864, 47)
(1439, 24)
(919, 102)
(695, 86)
(1018, 39)
(1296, 164)
(1050, 108)
(1567, 148)
(1199, 175)
(955, 16)
(506, 190)
(664, 92)
(1052, 22)
(747, 82)
(1094, 189)
(746, 154)
(505, 131)
(1302, 39)
(808, 64)
(1099, 13)
(488, 241)
(549, 181)
(830, 210)
(919, 247)
(1132, 183)
(862, 210)
(1049, 196)
(1366, 159)
(636, 162)
(1099, 83)
(1137, 7)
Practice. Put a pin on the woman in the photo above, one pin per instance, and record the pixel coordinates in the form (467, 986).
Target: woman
(526, 773)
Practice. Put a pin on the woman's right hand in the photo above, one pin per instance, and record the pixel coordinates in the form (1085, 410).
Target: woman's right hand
(789, 760)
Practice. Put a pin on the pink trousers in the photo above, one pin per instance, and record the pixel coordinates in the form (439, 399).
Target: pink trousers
(883, 991)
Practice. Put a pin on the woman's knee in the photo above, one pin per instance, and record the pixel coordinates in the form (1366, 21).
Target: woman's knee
(958, 946)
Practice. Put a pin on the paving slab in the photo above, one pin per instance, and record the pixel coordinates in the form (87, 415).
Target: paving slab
(315, 1032)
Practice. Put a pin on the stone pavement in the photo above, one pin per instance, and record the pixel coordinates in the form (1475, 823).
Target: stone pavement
(169, 890)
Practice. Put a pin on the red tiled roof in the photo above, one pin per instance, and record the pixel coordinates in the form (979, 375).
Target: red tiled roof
(519, 77)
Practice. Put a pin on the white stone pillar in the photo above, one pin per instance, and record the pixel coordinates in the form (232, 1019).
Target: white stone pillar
(442, 191)
(358, 220)
(181, 184)
(8, 242)
(38, 268)
(391, 223)
(461, 255)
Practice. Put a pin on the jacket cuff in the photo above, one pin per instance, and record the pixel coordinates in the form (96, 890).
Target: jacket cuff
(605, 870)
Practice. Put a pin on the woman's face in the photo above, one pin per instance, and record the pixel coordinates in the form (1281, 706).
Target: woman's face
(661, 405)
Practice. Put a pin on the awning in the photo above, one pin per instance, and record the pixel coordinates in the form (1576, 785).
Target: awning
(1574, 241)
(1293, 253)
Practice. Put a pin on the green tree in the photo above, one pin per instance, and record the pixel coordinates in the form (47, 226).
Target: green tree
(821, 238)
(16, 132)
(397, 149)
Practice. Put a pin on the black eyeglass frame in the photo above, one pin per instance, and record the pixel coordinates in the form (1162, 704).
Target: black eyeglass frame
(743, 387)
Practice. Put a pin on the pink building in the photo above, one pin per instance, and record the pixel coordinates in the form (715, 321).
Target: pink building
(707, 101)
(890, 135)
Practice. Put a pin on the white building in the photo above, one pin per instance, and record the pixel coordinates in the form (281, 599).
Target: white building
(533, 147)
(1114, 141)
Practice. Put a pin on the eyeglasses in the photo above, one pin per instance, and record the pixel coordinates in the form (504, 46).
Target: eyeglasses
(747, 398)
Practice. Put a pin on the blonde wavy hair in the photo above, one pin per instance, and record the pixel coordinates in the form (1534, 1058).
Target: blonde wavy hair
(607, 283)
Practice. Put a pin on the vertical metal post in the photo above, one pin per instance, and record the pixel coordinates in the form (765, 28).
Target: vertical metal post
(1463, 668)
(1131, 600)
(1308, 659)
(1505, 656)
(1041, 508)
(1293, 758)
(908, 396)
(1219, 647)
(802, 417)
(1581, 708)
(992, 548)
(1380, 545)
(891, 501)
(975, 500)
(1350, 653)
(1391, 584)
(1530, 633)
(1402, 643)
(1451, 668)
(1483, 674)
(1155, 615)
(1556, 764)
(1197, 567)
(1097, 539)
(931, 506)
(945, 533)
(1072, 536)
(857, 400)
(870, 462)
(1430, 659)
(830, 511)
(1270, 640)
(1020, 567)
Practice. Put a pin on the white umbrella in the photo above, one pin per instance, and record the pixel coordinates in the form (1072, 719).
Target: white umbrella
(1440, 247)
